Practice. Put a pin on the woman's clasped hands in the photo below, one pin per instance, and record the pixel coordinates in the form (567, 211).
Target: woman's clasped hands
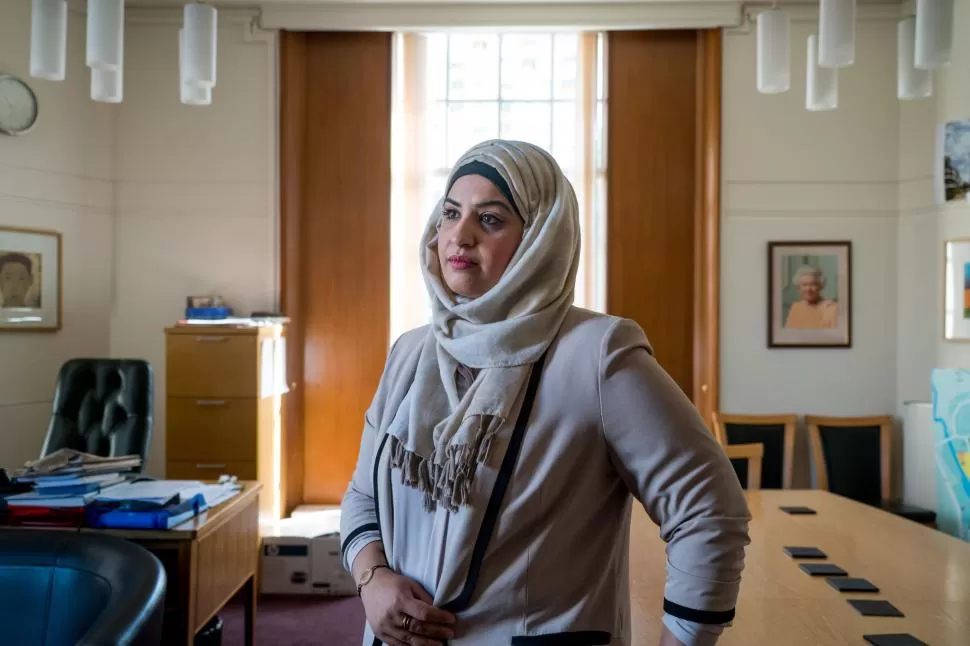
(401, 612)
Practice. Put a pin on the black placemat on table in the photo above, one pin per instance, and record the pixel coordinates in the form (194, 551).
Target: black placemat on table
(894, 639)
(797, 509)
(852, 584)
(875, 608)
(823, 569)
(804, 552)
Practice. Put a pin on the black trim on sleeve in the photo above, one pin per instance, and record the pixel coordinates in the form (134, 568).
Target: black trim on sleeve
(698, 616)
(369, 527)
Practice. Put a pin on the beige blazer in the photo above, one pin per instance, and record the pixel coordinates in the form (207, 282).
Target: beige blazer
(541, 555)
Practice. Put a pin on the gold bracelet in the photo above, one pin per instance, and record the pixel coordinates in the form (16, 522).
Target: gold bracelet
(367, 576)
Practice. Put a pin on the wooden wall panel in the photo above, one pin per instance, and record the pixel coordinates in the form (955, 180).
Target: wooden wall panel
(343, 246)
(650, 195)
(293, 81)
(707, 227)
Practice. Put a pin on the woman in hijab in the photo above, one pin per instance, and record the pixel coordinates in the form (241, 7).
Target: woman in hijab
(492, 496)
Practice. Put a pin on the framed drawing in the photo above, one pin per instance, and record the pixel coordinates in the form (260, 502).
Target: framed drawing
(953, 162)
(30, 280)
(956, 290)
(810, 294)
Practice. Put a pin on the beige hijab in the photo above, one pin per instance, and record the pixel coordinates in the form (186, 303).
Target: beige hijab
(437, 438)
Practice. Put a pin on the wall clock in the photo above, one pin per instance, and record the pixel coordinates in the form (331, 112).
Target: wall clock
(18, 106)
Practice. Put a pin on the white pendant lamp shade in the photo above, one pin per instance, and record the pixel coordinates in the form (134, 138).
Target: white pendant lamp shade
(190, 94)
(911, 83)
(774, 51)
(48, 39)
(934, 33)
(201, 26)
(107, 86)
(106, 34)
(822, 83)
(836, 33)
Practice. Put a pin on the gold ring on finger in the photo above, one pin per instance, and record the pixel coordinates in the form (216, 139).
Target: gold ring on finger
(407, 623)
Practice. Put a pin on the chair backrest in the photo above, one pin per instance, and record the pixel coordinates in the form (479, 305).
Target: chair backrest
(775, 432)
(752, 454)
(852, 456)
(78, 588)
(103, 407)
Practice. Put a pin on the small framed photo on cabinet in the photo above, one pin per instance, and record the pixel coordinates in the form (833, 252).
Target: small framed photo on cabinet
(810, 294)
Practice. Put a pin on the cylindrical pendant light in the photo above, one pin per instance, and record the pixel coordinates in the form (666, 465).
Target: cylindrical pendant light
(911, 83)
(106, 34)
(774, 51)
(190, 94)
(934, 33)
(201, 27)
(48, 39)
(107, 86)
(836, 33)
(822, 83)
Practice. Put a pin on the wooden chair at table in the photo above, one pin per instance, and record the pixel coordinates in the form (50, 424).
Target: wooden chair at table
(753, 454)
(852, 457)
(777, 435)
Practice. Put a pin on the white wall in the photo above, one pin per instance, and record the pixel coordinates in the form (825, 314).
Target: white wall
(791, 174)
(196, 197)
(58, 177)
(953, 102)
(924, 226)
(155, 200)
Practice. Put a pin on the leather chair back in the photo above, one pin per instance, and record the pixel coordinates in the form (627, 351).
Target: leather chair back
(88, 589)
(103, 407)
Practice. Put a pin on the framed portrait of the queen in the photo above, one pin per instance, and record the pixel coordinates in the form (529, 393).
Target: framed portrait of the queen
(810, 294)
(30, 280)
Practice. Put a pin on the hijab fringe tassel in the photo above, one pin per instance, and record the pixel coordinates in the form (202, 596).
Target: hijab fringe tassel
(449, 482)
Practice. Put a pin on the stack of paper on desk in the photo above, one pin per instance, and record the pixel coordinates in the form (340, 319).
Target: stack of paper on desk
(162, 492)
(64, 461)
(156, 504)
(69, 479)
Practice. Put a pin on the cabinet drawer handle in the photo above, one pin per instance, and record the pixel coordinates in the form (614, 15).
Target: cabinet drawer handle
(211, 339)
(210, 402)
(210, 465)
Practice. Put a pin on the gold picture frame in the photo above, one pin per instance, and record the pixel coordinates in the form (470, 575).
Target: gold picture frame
(31, 272)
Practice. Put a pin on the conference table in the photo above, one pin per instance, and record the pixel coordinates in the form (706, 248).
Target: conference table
(921, 571)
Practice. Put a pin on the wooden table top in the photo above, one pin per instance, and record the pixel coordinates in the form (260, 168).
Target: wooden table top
(923, 572)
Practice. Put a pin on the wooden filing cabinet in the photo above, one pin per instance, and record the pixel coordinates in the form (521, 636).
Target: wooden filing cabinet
(224, 392)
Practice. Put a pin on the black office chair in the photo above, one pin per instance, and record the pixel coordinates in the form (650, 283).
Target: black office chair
(65, 588)
(103, 407)
(775, 432)
(853, 456)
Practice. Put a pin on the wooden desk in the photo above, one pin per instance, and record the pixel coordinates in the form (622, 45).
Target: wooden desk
(207, 561)
(923, 572)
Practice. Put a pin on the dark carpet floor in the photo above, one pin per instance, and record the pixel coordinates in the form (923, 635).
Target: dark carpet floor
(298, 621)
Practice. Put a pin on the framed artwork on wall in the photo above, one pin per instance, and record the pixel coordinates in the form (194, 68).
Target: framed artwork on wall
(810, 294)
(956, 289)
(953, 162)
(30, 280)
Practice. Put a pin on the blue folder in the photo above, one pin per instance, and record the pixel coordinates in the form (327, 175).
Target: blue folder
(142, 515)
